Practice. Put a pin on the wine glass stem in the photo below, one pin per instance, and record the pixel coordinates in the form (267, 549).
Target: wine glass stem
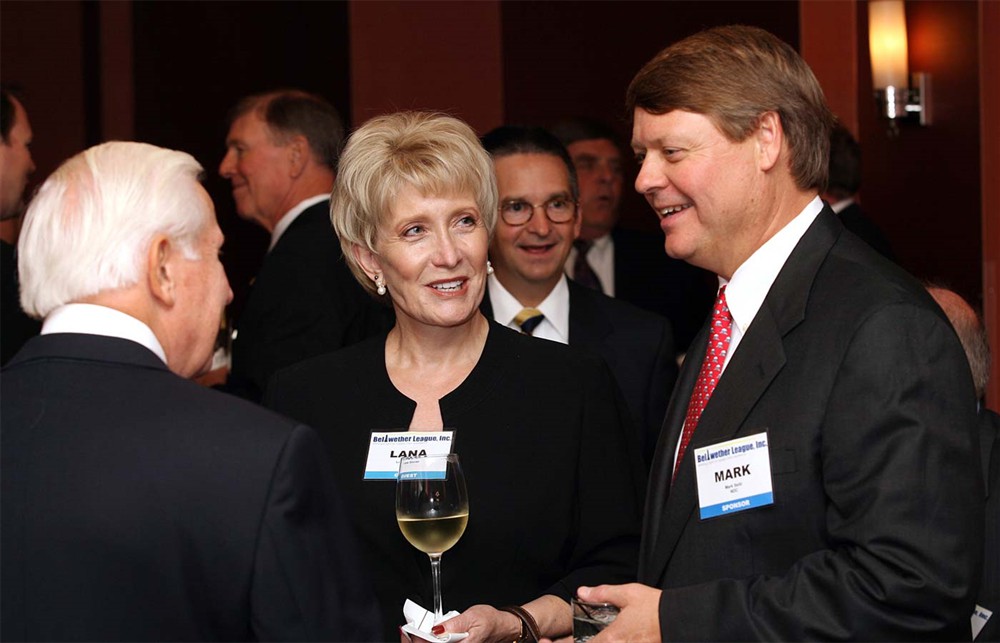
(436, 581)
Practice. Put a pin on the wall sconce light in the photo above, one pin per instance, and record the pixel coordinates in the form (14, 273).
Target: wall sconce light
(900, 96)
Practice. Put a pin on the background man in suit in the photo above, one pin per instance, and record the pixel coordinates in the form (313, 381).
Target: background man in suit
(538, 222)
(837, 450)
(972, 334)
(138, 505)
(842, 190)
(15, 167)
(281, 156)
(622, 263)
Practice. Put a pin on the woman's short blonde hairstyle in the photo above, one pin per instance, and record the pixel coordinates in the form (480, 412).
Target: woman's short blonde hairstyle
(439, 155)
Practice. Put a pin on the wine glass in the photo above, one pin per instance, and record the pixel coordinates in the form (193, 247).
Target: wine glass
(432, 509)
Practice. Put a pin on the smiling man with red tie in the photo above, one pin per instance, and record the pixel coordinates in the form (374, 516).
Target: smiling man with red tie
(817, 475)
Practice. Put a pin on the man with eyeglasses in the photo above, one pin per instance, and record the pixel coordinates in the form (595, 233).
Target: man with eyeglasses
(539, 219)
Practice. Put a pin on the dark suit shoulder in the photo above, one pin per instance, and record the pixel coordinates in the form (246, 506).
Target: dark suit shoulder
(311, 234)
(617, 309)
(868, 279)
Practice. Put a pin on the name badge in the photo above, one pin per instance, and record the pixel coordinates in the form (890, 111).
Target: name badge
(979, 617)
(734, 476)
(387, 447)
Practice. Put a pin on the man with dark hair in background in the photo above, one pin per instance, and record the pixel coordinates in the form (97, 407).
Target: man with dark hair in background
(626, 264)
(539, 219)
(281, 158)
(842, 189)
(15, 166)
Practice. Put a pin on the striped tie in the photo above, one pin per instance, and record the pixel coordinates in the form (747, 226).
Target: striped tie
(529, 319)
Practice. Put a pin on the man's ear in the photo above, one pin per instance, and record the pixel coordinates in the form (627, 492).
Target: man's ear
(159, 270)
(770, 138)
(298, 155)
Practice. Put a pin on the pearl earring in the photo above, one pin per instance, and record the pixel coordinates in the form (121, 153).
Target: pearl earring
(379, 284)
(489, 267)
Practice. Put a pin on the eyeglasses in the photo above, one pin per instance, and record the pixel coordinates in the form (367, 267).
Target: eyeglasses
(558, 209)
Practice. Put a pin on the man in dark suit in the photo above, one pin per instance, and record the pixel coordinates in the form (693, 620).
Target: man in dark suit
(138, 505)
(15, 167)
(817, 476)
(538, 222)
(626, 264)
(281, 156)
(842, 188)
(972, 334)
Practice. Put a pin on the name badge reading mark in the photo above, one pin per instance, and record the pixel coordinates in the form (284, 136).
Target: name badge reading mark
(387, 447)
(734, 476)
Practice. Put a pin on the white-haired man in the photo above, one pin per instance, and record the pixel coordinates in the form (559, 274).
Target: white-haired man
(137, 504)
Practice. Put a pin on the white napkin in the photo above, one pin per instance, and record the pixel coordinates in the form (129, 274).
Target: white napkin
(420, 621)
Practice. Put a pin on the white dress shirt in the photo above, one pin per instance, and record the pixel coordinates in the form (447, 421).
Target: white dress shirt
(91, 319)
(746, 291)
(601, 258)
(555, 307)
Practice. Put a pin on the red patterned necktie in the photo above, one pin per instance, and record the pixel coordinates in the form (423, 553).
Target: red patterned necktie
(711, 369)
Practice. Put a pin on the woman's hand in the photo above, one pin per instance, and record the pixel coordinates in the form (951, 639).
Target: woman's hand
(484, 624)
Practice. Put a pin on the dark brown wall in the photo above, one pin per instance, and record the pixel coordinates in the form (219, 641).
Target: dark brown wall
(923, 187)
(42, 49)
(428, 55)
(191, 61)
(577, 58)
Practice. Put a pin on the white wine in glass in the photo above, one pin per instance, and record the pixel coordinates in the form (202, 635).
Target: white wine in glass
(432, 509)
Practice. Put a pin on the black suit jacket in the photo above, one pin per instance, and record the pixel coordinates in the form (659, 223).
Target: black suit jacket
(876, 526)
(15, 326)
(303, 302)
(637, 346)
(140, 506)
(646, 277)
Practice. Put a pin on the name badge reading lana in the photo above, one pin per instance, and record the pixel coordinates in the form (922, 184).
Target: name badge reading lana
(387, 447)
(734, 476)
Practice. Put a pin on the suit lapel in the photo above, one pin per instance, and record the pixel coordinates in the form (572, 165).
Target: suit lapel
(659, 481)
(758, 359)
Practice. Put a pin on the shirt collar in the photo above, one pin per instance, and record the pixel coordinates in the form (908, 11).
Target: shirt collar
(555, 307)
(753, 279)
(91, 319)
(840, 206)
(292, 215)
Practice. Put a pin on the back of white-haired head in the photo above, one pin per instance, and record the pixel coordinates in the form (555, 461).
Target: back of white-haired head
(89, 226)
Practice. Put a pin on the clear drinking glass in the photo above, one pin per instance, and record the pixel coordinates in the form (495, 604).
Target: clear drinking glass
(589, 619)
(432, 509)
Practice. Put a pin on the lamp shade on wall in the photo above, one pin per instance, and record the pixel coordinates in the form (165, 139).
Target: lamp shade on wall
(887, 42)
